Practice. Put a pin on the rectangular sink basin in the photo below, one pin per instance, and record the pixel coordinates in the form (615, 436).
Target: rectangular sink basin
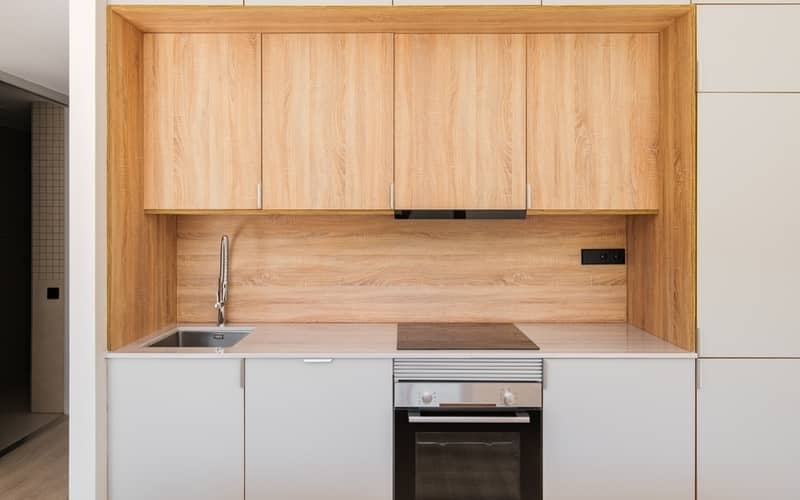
(201, 338)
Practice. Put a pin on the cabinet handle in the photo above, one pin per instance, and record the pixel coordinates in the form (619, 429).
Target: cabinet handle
(416, 418)
(529, 198)
(318, 361)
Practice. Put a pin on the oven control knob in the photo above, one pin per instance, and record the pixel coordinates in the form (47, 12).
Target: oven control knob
(508, 397)
(427, 397)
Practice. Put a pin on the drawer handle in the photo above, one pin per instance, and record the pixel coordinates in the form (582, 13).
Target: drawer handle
(318, 361)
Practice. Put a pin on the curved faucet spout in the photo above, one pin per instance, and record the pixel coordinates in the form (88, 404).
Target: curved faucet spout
(222, 281)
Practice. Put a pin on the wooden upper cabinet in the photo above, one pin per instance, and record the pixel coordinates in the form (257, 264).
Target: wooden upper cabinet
(593, 121)
(202, 122)
(460, 121)
(327, 121)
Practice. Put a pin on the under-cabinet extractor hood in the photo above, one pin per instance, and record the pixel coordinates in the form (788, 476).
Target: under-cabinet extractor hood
(459, 214)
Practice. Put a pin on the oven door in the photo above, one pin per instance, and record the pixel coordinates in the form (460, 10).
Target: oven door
(468, 455)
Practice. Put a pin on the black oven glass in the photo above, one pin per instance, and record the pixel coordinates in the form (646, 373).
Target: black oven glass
(467, 461)
(467, 465)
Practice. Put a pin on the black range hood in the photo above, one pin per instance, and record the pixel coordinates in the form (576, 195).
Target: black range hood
(459, 214)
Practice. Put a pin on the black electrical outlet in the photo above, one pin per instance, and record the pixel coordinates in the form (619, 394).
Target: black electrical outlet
(602, 256)
(53, 293)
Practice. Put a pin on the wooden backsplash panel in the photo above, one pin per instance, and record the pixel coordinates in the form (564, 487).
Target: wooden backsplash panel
(375, 269)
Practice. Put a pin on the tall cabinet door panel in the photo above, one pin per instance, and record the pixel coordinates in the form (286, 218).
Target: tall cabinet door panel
(327, 121)
(319, 428)
(202, 121)
(175, 429)
(593, 121)
(748, 224)
(748, 437)
(460, 121)
(748, 48)
(618, 429)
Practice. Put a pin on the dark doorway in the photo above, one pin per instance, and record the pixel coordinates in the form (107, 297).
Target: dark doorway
(17, 420)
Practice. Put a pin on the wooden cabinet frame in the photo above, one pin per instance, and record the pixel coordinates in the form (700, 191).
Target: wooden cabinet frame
(661, 265)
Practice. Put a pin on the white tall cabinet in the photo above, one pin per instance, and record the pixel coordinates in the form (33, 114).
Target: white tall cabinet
(618, 429)
(748, 234)
(319, 428)
(175, 429)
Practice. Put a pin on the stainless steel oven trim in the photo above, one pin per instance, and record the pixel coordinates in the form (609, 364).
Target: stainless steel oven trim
(463, 395)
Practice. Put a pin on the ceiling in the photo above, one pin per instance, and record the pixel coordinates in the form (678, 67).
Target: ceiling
(34, 42)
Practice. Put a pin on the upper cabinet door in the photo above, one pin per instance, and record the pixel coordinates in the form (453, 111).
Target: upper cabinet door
(202, 101)
(593, 121)
(460, 121)
(327, 104)
(748, 48)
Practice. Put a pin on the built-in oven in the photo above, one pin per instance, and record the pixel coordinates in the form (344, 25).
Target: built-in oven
(468, 429)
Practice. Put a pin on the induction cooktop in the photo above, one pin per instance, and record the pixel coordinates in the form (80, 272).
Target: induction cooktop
(462, 336)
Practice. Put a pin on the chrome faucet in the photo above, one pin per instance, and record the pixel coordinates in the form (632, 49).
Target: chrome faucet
(222, 282)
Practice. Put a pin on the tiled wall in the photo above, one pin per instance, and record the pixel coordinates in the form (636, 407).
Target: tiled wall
(47, 257)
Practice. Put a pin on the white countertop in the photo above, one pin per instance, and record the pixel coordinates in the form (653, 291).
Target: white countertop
(379, 340)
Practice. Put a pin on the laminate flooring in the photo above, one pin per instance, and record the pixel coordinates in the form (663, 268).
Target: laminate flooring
(37, 469)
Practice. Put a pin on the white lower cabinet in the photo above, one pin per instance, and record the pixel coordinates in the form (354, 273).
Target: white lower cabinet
(175, 429)
(319, 429)
(619, 429)
(748, 434)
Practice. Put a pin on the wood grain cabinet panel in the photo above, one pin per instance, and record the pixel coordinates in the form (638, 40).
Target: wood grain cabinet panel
(202, 126)
(459, 121)
(593, 121)
(327, 104)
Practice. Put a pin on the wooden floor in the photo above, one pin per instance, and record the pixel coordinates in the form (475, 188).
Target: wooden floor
(38, 468)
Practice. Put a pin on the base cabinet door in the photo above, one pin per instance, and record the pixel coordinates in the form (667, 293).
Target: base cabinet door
(748, 438)
(618, 429)
(175, 429)
(319, 429)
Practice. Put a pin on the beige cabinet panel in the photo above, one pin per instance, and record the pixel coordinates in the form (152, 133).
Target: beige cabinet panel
(202, 121)
(304, 3)
(748, 48)
(747, 432)
(747, 206)
(327, 104)
(319, 429)
(175, 429)
(618, 429)
(459, 121)
(593, 121)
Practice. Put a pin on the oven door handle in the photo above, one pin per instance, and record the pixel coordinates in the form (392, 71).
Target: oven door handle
(415, 418)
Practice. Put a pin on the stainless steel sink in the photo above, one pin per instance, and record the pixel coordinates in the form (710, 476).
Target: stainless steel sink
(201, 338)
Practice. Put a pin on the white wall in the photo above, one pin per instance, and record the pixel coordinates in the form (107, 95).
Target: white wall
(87, 250)
(34, 41)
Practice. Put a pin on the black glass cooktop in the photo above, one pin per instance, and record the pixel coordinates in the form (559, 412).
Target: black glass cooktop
(462, 336)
